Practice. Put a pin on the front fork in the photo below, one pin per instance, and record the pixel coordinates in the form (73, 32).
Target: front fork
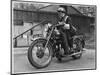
(48, 38)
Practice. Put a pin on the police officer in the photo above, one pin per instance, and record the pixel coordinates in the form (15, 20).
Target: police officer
(69, 29)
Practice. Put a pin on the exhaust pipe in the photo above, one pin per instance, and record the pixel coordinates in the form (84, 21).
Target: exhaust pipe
(75, 53)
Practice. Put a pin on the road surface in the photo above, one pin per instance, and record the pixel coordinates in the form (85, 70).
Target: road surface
(20, 63)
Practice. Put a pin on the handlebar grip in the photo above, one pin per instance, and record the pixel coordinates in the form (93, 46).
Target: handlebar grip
(59, 25)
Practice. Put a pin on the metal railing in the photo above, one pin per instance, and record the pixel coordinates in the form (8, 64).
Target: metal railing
(15, 38)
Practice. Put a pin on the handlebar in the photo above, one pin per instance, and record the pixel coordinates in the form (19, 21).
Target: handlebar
(58, 25)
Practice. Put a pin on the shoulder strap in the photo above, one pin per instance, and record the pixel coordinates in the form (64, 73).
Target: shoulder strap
(66, 17)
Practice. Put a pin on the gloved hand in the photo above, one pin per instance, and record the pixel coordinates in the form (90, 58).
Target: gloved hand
(61, 23)
(66, 26)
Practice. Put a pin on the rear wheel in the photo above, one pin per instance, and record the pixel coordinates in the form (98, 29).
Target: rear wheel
(79, 49)
(39, 56)
(58, 56)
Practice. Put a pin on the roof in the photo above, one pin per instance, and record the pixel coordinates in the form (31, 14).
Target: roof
(53, 9)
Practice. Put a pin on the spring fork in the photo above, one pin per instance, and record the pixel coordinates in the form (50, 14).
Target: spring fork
(49, 38)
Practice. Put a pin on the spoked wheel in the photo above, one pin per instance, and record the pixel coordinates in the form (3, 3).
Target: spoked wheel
(38, 55)
(78, 49)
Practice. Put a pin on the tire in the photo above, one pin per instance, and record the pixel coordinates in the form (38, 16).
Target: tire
(80, 50)
(59, 59)
(32, 59)
(58, 56)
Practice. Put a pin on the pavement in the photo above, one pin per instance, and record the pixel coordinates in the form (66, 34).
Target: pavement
(20, 63)
(20, 50)
(25, 49)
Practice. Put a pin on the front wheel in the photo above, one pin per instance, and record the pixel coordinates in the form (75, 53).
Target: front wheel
(39, 56)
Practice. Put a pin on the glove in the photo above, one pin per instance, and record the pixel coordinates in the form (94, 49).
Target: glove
(61, 23)
(66, 26)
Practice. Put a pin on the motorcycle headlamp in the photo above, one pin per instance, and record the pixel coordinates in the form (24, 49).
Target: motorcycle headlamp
(48, 26)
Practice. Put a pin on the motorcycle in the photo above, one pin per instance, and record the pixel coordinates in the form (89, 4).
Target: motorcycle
(42, 50)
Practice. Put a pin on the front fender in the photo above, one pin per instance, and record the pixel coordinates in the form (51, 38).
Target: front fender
(40, 38)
